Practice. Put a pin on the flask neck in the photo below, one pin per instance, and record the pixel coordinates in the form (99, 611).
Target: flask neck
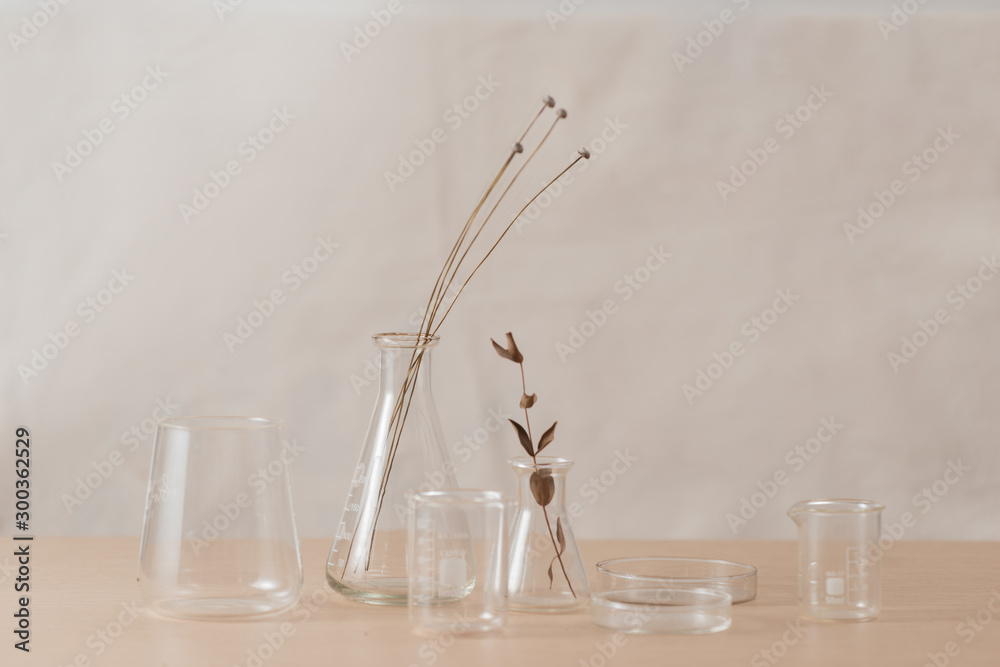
(546, 467)
(395, 365)
(404, 358)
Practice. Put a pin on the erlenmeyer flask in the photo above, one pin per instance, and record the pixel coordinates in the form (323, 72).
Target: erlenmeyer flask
(539, 580)
(404, 452)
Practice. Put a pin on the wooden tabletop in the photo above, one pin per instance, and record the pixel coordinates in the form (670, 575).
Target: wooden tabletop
(84, 590)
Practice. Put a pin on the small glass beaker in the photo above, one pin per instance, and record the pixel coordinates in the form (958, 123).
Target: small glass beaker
(457, 551)
(218, 538)
(839, 560)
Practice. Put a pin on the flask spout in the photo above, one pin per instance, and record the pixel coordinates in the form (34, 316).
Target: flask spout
(797, 511)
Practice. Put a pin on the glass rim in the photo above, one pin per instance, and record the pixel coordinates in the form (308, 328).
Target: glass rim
(549, 462)
(458, 497)
(698, 599)
(405, 340)
(220, 423)
(743, 570)
(836, 506)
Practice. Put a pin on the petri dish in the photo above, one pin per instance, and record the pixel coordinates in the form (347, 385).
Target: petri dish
(660, 610)
(736, 579)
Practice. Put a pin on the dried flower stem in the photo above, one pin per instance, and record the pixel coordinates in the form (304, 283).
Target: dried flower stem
(495, 205)
(547, 102)
(440, 290)
(428, 327)
(581, 156)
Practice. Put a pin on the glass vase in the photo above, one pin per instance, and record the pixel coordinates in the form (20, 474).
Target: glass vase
(403, 453)
(545, 571)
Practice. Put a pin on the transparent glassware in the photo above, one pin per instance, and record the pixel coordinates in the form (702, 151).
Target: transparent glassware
(399, 457)
(737, 579)
(840, 576)
(535, 535)
(458, 562)
(661, 610)
(218, 538)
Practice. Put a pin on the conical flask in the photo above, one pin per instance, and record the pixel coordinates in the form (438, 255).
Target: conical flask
(404, 452)
(545, 571)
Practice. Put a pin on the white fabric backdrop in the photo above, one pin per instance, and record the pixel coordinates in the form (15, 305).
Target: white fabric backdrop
(662, 140)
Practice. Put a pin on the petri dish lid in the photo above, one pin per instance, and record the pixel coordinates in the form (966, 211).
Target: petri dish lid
(737, 579)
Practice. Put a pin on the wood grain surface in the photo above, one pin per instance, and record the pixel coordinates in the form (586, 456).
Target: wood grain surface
(84, 591)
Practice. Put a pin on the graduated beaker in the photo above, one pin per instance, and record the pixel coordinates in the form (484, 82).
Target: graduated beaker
(458, 561)
(839, 561)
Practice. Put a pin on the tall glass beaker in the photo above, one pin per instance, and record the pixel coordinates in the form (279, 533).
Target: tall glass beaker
(839, 559)
(404, 452)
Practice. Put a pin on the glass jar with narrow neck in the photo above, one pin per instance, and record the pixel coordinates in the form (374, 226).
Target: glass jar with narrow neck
(545, 571)
(403, 452)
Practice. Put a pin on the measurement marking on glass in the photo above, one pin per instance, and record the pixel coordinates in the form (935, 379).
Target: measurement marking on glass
(425, 558)
(350, 508)
(857, 577)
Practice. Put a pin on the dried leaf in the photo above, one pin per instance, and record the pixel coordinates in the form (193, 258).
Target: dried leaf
(522, 435)
(502, 351)
(515, 354)
(547, 437)
(550, 572)
(510, 352)
(528, 401)
(560, 536)
(543, 488)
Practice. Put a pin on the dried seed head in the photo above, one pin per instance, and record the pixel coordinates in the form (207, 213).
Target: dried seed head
(517, 147)
(561, 113)
(548, 101)
(584, 153)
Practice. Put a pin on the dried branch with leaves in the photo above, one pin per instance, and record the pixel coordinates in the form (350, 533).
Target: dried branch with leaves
(542, 485)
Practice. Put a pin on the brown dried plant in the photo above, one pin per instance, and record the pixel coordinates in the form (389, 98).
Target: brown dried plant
(541, 483)
(460, 252)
